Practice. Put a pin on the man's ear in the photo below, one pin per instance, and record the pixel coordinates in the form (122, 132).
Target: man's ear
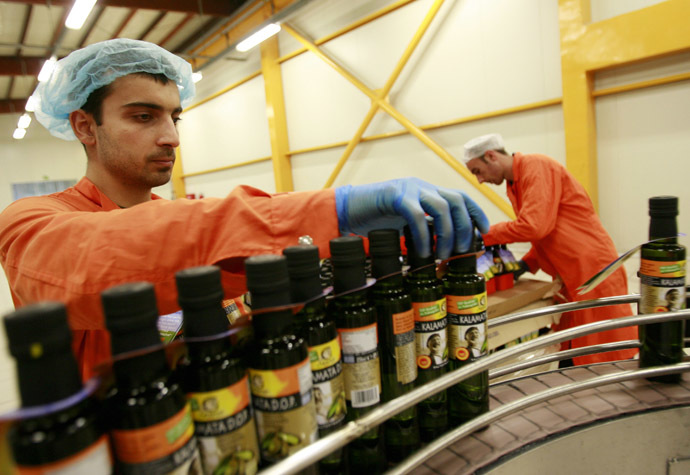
(84, 126)
(491, 155)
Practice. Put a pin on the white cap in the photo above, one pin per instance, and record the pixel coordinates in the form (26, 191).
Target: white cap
(478, 146)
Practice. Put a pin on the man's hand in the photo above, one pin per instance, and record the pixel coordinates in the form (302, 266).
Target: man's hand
(394, 203)
(521, 270)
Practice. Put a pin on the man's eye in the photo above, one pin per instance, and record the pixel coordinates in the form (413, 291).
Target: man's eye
(144, 117)
(176, 120)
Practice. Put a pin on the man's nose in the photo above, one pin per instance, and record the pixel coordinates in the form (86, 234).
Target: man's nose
(169, 137)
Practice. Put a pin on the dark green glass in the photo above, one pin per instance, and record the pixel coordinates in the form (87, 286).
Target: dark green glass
(146, 392)
(47, 372)
(465, 292)
(662, 288)
(325, 355)
(225, 430)
(429, 304)
(396, 339)
(355, 319)
(285, 422)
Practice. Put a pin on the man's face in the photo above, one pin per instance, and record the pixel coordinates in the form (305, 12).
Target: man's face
(434, 344)
(486, 170)
(472, 337)
(138, 136)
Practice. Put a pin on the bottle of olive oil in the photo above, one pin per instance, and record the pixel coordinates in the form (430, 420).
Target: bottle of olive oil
(466, 301)
(355, 318)
(395, 319)
(323, 343)
(70, 437)
(279, 371)
(431, 322)
(214, 378)
(150, 420)
(662, 287)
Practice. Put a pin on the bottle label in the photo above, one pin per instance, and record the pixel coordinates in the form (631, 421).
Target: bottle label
(161, 448)
(662, 286)
(285, 414)
(405, 348)
(361, 367)
(467, 327)
(93, 459)
(224, 428)
(431, 334)
(329, 385)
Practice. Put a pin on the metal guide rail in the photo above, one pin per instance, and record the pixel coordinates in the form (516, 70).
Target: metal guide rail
(316, 451)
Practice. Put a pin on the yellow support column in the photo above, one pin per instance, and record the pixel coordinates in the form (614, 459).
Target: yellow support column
(179, 190)
(578, 103)
(275, 111)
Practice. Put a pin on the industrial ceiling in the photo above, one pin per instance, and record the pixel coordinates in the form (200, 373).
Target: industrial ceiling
(200, 31)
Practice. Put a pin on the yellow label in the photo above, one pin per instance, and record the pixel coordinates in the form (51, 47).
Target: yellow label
(295, 379)
(466, 304)
(324, 356)
(215, 405)
(429, 311)
(670, 269)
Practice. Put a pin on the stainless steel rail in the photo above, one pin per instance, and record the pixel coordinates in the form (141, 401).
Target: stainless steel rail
(564, 355)
(563, 307)
(380, 414)
(466, 429)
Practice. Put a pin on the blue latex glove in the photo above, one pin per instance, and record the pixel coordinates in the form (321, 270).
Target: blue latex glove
(392, 204)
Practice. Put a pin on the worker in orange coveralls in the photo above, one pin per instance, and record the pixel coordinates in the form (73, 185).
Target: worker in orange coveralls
(122, 100)
(555, 214)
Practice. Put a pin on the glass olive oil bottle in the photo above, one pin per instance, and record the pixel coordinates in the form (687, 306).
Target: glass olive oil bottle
(279, 371)
(465, 291)
(323, 343)
(662, 287)
(150, 420)
(215, 379)
(355, 318)
(431, 335)
(71, 439)
(395, 319)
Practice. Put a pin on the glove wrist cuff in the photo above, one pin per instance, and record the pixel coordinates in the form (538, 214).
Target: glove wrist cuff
(342, 209)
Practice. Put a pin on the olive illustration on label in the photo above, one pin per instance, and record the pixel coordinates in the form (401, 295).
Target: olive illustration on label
(237, 463)
(279, 443)
(338, 406)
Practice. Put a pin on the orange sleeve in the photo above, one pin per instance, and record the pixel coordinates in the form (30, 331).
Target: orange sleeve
(531, 260)
(52, 251)
(540, 193)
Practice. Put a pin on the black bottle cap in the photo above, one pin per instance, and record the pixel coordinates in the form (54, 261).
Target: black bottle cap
(131, 316)
(663, 206)
(267, 280)
(348, 259)
(304, 271)
(38, 330)
(413, 259)
(39, 338)
(200, 294)
(384, 248)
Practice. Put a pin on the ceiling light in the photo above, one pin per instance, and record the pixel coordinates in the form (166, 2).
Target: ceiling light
(79, 13)
(24, 121)
(47, 69)
(261, 35)
(197, 76)
(19, 133)
(30, 104)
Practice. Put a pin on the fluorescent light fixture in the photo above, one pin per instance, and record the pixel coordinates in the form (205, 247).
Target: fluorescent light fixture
(30, 104)
(24, 121)
(79, 13)
(47, 69)
(197, 76)
(261, 35)
(19, 133)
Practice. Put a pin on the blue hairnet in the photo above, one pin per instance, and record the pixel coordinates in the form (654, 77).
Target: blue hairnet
(83, 71)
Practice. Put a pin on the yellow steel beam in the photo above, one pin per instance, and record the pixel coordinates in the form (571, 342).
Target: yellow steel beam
(177, 180)
(226, 167)
(414, 130)
(641, 85)
(275, 112)
(383, 93)
(223, 91)
(586, 47)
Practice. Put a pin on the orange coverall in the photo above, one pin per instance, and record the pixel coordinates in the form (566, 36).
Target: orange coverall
(555, 214)
(72, 245)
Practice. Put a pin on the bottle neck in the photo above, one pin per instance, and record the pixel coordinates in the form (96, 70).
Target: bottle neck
(313, 311)
(199, 351)
(272, 324)
(663, 227)
(206, 321)
(463, 265)
(348, 277)
(48, 379)
(142, 369)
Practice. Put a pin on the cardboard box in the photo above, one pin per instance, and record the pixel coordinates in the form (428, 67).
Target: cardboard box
(525, 292)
